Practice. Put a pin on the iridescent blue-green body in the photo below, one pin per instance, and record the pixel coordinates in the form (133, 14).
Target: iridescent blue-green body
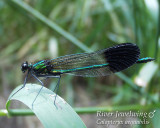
(99, 63)
(94, 64)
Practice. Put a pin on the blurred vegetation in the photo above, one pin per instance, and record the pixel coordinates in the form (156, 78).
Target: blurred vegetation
(25, 35)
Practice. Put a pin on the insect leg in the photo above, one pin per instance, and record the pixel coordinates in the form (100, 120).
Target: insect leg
(51, 76)
(25, 81)
(48, 76)
(56, 88)
(39, 90)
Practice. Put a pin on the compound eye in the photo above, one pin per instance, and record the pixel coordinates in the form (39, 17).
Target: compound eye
(24, 66)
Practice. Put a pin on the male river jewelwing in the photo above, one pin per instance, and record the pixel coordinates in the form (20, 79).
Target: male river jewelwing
(100, 63)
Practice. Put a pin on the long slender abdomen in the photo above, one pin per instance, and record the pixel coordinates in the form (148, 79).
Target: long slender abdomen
(145, 60)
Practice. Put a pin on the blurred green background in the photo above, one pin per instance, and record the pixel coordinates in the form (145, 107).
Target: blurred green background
(75, 26)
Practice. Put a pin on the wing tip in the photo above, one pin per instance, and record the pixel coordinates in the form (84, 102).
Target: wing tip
(122, 56)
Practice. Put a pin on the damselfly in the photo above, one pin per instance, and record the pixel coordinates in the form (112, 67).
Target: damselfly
(100, 63)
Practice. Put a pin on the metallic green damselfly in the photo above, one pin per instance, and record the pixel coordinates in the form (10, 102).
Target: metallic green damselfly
(100, 63)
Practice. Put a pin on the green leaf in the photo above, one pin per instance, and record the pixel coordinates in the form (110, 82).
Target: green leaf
(62, 116)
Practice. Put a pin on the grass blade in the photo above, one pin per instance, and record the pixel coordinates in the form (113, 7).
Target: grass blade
(62, 116)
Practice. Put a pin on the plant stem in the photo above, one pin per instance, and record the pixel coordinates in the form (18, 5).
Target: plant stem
(3, 112)
(116, 108)
(85, 110)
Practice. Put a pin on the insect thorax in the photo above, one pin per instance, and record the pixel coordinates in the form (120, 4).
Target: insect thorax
(42, 67)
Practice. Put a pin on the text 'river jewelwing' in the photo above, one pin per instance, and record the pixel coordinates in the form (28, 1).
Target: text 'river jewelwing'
(100, 63)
